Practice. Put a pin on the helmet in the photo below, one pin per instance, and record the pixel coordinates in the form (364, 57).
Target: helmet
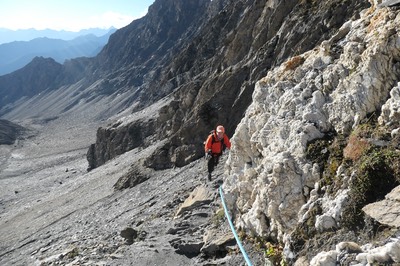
(220, 129)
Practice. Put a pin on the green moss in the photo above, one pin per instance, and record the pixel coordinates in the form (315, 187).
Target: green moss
(375, 170)
(377, 173)
(328, 154)
(305, 230)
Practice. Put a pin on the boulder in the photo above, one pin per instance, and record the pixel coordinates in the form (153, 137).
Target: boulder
(189, 248)
(129, 234)
(200, 195)
(215, 242)
(386, 211)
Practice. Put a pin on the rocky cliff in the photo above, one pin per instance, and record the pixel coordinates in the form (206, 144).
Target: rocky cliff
(211, 74)
(320, 142)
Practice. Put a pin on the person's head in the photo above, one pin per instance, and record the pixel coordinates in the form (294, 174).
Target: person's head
(220, 131)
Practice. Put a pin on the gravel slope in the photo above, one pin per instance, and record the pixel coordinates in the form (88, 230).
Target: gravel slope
(53, 211)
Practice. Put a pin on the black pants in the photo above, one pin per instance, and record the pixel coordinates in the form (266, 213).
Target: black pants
(212, 162)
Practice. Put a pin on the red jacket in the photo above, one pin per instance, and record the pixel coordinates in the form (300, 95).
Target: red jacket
(216, 145)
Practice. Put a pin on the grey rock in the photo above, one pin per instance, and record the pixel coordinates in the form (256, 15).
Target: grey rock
(129, 234)
(199, 196)
(9, 132)
(216, 243)
(389, 3)
(190, 250)
(386, 211)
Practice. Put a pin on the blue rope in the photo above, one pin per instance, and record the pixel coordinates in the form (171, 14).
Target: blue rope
(246, 258)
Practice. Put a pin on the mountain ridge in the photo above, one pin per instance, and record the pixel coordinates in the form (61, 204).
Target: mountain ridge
(17, 54)
(7, 35)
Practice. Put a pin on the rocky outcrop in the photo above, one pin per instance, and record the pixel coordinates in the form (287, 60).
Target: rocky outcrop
(212, 75)
(115, 141)
(326, 92)
(9, 132)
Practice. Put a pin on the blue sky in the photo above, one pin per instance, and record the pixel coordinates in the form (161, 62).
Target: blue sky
(71, 15)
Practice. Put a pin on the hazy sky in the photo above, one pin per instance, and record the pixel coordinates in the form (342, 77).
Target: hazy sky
(71, 15)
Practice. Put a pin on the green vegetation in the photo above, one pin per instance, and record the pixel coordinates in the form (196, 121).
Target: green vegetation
(370, 158)
(272, 251)
(218, 218)
(328, 154)
(377, 172)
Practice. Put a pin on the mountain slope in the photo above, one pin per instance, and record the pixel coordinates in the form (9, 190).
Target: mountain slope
(213, 76)
(309, 92)
(41, 74)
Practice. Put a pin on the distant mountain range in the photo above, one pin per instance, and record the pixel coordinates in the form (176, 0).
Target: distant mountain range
(7, 35)
(15, 55)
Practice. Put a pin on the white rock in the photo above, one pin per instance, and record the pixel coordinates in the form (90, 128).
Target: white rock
(292, 108)
(395, 132)
(324, 223)
(378, 255)
(362, 258)
(393, 250)
(325, 259)
(348, 247)
(390, 114)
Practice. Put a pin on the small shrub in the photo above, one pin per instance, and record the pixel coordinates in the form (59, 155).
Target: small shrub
(218, 218)
(274, 253)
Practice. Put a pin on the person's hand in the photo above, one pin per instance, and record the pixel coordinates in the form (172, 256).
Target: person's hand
(208, 155)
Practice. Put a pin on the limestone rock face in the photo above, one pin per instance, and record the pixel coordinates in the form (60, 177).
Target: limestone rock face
(391, 109)
(328, 89)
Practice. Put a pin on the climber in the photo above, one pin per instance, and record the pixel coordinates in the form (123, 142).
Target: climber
(215, 144)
